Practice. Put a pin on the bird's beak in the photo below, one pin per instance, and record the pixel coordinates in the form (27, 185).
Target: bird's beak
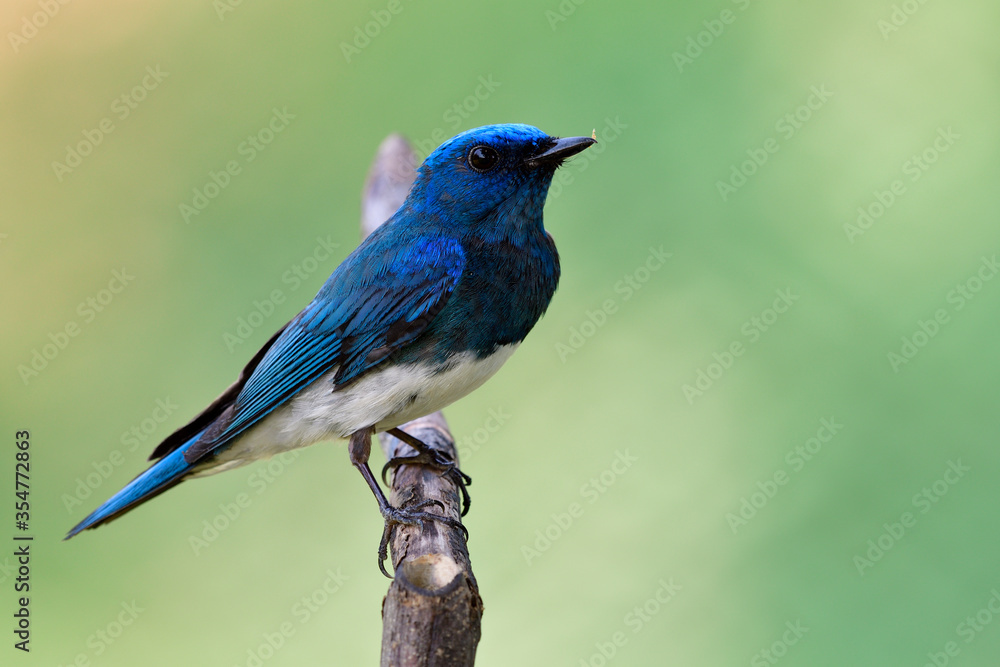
(559, 150)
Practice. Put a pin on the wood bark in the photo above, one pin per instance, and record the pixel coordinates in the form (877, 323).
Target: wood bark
(432, 613)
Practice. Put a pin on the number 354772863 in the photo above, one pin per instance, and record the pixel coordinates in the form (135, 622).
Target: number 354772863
(22, 468)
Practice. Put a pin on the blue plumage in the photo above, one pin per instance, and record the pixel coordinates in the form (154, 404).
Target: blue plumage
(168, 471)
(422, 312)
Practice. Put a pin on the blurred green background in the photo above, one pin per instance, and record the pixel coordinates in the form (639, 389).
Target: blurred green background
(710, 524)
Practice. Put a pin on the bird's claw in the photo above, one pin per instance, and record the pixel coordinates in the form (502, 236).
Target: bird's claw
(410, 516)
(435, 459)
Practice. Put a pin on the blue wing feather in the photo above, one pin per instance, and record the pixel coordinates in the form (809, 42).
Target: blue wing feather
(355, 322)
(167, 472)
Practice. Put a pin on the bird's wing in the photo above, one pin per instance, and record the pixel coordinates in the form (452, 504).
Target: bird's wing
(366, 310)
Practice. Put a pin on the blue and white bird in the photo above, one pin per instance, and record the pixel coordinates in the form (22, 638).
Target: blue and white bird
(423, 312)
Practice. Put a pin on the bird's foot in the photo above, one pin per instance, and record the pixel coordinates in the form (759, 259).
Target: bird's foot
(408, 514)
(433, 458)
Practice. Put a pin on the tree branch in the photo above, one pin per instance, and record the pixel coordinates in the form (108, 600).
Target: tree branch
(432, 613)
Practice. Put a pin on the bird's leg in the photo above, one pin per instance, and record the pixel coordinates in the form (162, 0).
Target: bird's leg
(434, 458)
(360, 448)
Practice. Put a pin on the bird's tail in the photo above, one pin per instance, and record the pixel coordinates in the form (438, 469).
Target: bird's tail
(162, 475)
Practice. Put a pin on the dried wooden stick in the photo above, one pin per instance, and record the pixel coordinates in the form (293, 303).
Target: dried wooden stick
(432, 614)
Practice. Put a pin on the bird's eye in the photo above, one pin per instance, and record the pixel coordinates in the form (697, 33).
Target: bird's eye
(483, 158)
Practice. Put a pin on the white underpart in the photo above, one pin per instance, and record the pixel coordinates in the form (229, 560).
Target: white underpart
(386, 397)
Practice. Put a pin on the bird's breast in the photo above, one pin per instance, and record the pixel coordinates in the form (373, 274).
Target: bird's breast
(504, 290)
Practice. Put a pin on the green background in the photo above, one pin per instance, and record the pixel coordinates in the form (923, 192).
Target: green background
(679, 129)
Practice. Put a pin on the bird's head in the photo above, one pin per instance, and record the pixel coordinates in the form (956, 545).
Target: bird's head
(492, 176)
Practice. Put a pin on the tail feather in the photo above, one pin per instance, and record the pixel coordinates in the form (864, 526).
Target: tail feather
(165, 473)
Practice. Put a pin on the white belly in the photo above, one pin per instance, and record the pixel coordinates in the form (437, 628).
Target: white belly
(386, 398)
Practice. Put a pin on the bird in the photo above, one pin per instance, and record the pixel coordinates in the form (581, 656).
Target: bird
(425, 310)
